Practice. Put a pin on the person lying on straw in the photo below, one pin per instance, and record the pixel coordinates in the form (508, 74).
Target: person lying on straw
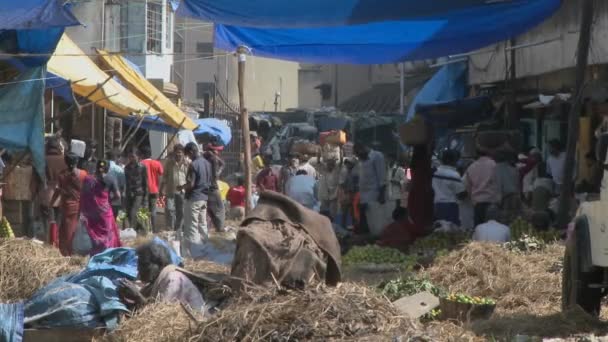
(163, 281)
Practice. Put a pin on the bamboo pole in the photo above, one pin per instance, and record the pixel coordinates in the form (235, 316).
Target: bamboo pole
(172, 137)
(241, 53)
(574, 115)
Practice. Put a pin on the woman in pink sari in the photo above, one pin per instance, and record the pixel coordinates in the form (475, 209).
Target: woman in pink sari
(96, 207)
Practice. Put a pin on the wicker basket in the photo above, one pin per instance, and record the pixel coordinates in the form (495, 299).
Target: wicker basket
(451, 310)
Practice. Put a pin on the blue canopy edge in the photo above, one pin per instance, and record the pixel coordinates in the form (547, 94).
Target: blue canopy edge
(448, 84)
(391, 41)
(35, 14)
(319, 13)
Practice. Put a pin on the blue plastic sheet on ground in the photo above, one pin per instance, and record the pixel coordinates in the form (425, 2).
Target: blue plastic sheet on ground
(175, 259)
(88, 303)
(11, 322)
(315, 13)
(120, 261)
(22, 116)
(390, 41)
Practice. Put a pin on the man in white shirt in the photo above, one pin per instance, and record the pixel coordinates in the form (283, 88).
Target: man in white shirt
(556, 162)
(305, 165)
(302, 188)
(492, 230)
(448, 188)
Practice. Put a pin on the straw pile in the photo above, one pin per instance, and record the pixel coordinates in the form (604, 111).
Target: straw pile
(518, 282)
(154, 322)
(346, 312)
(26, 266)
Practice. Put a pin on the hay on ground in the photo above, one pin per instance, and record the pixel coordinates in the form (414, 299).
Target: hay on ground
(205, 266)
(26, 266)
(525, 283)
(154, 322)
(348, 311)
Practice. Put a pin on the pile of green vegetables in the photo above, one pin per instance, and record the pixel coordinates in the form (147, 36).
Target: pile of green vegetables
(462, 298)
(408, 286)
(372, 254)
(521, 229)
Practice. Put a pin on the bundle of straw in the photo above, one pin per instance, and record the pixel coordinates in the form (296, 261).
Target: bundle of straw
(26, 266)
(346, 312)
(155, 322)
(518, 282)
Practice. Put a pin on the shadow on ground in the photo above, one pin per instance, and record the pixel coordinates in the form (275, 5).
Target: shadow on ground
(572, 323)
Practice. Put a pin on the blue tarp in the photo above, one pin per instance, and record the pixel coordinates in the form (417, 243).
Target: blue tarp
(11, 322)
(35, 14)
(455, 114)
(22, 116)
(391, 41)
(316, 13)
(448, 84)
(211, 126)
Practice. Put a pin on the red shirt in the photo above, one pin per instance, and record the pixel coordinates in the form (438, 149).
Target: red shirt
(236, 196)
(267, 180)
(155, 170)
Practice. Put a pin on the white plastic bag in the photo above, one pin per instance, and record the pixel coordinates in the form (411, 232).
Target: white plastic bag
(128, 234)
(82, 244)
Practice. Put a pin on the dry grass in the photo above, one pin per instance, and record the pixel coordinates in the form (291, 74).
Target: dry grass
(347, 312)
(154, 322)
(526, 287)
(518, 282)
(26, 266)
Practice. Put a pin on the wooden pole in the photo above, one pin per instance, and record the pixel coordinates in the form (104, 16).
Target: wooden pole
(573, 117)
(172, 137)
(241, 54)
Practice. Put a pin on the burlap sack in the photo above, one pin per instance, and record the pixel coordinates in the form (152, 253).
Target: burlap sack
(275, 249)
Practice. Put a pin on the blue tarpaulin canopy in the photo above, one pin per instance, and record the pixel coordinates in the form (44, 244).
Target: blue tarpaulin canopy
(457, 113)
(391, 41)
(211, 126)
(22, 116)
(35, 14)
(317, 13)
(33, 26)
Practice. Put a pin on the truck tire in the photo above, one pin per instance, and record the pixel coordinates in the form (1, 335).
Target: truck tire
(575, 283)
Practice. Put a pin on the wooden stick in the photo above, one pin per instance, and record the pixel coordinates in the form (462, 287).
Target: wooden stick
(573, 117)
(141, 120)
(244, 126)
(172, 137)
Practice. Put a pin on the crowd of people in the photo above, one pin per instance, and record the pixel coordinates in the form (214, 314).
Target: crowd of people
(385, 196)
(394, 200)
(85, 191)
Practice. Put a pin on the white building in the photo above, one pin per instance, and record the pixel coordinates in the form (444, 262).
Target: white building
(200, 68)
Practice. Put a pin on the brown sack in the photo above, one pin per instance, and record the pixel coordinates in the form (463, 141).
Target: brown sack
(283, 239)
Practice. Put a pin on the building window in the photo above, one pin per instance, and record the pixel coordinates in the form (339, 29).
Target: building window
(154, 26)
(204, 49)
(204, 88)
(178, 47)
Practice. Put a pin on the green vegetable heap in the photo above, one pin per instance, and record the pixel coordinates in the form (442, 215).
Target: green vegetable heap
(372, 254)
(461, 298)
